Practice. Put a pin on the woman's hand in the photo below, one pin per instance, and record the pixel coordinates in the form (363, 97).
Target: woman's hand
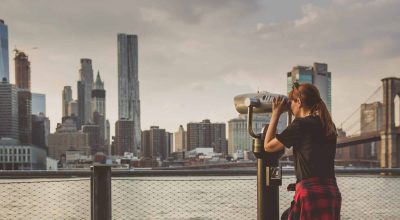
(279, 105)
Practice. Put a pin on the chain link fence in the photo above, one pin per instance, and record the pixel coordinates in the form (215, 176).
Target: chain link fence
(45, 199)
(365, 196)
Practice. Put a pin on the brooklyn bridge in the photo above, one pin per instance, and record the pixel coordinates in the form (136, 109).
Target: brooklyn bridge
(376, 138)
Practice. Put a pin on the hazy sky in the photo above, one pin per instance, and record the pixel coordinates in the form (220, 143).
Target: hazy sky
(196, 55)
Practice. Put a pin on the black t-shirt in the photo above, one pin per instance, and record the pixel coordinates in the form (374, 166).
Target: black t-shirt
(313, 152)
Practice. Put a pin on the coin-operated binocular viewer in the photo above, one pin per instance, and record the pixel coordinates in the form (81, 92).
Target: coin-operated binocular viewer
(269, 173)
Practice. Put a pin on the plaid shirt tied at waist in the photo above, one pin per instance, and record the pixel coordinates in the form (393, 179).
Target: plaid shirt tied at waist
(316, 199)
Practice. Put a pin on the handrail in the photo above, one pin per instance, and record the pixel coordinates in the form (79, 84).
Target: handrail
(154, 173)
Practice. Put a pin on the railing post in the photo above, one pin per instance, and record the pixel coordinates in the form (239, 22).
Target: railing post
(268, 181)
(101, 192)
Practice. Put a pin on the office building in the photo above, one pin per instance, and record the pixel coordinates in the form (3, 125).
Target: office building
(73, 108)
(23, 84)
(40, 130)
(4, 69)
(94, 138)
(8, 110)
(371, 117)
(66, 99)
(124, 140)
(317, 75)
(85, 86)
(371, 120)
(107, 141)
(207, 135)
(180, 140)
(16, 156)
(156, 143)
(169, 144)
(38, 104)
(128, 83)
(239, 140)
(67, 137)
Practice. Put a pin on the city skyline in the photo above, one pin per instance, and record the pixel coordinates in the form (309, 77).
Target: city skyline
(184, 73)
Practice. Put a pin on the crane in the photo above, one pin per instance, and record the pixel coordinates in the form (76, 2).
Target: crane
(17, 51)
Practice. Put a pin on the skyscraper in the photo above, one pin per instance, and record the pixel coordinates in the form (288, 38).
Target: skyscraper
(317, 75)
(66, 98)
(99, 107)
(38, 104)
(107, 141)
(8, 110)
(23, 83)
(128, 83)
(4, 70)
(85, 86)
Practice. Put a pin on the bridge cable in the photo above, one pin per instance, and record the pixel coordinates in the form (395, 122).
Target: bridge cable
(357, 110)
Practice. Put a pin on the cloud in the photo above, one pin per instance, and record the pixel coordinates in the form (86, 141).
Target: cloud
(311, 14)
(211, 50)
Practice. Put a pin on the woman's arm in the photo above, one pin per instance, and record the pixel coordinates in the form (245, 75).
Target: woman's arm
(271, 144)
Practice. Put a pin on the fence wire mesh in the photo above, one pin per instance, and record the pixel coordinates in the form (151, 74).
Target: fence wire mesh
(45, 199)
(205, 197)
(185, 198)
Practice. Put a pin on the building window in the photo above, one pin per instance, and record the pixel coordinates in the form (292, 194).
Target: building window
(23, 151)
(1, 158)
(24, 158)
(29, 151)
(1, 151)
(19, 151)
(15, 151)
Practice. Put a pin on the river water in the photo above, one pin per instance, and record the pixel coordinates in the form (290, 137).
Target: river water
(194, 198)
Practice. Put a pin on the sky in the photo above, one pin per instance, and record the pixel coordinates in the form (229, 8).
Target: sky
(196, 55)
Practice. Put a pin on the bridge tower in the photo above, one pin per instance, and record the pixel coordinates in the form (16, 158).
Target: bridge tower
(390, 150)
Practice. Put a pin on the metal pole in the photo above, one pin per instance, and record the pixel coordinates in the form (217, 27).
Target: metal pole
(101, 192)
(261, 190)
(272, 194)
(267, 191)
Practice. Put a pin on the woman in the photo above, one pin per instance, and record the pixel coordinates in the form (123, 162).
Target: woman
(312, 134)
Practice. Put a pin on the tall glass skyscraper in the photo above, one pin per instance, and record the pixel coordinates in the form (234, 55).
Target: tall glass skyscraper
(128, 84)
(317, 75)
(4, 71)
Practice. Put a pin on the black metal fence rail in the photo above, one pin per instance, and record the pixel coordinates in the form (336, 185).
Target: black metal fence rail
(148, 173)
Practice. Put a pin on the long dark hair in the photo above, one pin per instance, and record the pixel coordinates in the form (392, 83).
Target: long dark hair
(310, 97)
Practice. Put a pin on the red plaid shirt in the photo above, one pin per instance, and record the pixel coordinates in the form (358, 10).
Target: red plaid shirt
(316, 199)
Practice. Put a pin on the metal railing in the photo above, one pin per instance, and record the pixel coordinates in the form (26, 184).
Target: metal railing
(194, 194)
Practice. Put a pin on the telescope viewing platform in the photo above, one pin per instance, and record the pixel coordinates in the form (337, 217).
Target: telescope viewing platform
(184, 194)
